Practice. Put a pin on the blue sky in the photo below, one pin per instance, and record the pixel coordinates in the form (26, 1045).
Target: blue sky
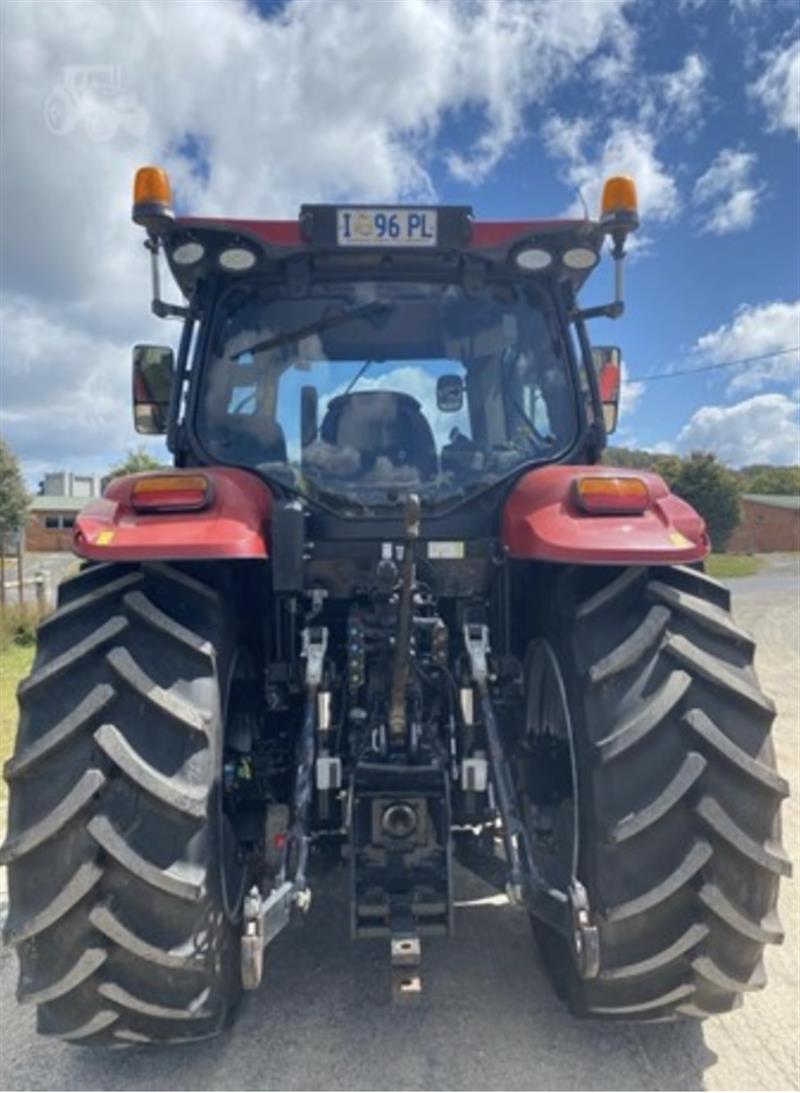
(508, 106)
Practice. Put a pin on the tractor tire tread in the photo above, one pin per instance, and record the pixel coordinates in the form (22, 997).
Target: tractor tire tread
(635, 822)
(117, 905)
(103, 919)
(76, 720)
(170, 791)
(679, 830)
(130, 673)
(86, 964)
(30, 838)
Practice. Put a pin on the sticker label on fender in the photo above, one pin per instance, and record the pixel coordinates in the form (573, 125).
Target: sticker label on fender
(446, 550)
(679, 540)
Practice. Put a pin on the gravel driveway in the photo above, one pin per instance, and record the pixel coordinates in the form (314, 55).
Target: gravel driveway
(489, 1019)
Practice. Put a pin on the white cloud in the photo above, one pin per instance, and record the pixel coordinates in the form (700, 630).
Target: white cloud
(65, 389)
(566, 137)
(511, 54)
(727, 194)
(288, 109)
(630, 149)
(631, 392)
(757, 330)
(762, 429)
(677, 99)
(658, 105)
(777, 89)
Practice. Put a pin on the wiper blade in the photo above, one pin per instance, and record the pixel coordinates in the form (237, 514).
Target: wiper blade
(326, 323)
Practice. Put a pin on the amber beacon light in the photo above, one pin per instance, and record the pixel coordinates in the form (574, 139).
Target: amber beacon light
(152, 197)
(619, 209)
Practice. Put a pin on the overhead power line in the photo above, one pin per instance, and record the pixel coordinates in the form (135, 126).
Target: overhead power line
(714, 367)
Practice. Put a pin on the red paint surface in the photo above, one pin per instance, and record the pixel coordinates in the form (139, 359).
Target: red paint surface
(235, 525)
(541, 520)
(286, 233)
(493, 233)
(279, 233)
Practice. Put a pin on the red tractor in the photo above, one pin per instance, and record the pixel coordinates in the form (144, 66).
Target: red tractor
(390, 608)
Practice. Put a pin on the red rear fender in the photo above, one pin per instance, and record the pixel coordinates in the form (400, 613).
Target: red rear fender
(543, 521)
(235, 524)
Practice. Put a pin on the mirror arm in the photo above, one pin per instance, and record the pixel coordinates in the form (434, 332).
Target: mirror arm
(604, 311)
(160, 307)
(617, 308)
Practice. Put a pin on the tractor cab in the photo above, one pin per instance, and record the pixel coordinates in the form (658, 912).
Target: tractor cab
(359, 355)
(423, 388)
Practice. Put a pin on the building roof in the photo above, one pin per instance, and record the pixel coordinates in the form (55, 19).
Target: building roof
(778, 500)
(48, 503)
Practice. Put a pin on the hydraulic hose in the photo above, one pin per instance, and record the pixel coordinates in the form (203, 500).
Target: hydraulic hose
(402, 651)
(303, 790)
(314, 646)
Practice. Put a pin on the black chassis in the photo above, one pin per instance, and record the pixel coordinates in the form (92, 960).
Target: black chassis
(355, 613)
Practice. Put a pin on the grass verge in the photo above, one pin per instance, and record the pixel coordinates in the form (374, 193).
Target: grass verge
(15, 664)
(731, 565)
(17, 650)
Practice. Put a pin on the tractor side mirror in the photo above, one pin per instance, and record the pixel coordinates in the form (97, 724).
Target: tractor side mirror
(153, 370)
(608, 365)
(309, 402)
(449, 393)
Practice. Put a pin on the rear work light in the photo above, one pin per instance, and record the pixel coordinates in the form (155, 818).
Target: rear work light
(598, 494)
(171, 493)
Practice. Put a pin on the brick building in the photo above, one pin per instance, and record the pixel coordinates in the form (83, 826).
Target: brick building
(770, 523)
(50, 522)
(52, 512)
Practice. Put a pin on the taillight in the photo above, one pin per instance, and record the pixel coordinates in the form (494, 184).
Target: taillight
(171, 493)
(612, 494)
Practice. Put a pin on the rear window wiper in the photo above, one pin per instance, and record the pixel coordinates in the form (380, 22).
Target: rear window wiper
(325, 323)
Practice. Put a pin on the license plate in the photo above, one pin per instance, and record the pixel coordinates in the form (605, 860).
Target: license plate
(386, 227)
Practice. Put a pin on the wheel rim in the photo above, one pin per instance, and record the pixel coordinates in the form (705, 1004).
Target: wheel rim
(233, 875)
(232, 871)
(547, 780)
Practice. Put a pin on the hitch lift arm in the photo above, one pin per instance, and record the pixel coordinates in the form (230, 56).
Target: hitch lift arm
(265, 916)
(567, 912)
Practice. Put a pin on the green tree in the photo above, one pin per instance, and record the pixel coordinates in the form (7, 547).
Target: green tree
(13, 495)
(626, 457)
(668, 466)
(136, 460)
(714, 491)
(775, 480)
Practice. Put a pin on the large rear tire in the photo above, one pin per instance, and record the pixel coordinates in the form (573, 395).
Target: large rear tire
(124, 882)
(659, 778)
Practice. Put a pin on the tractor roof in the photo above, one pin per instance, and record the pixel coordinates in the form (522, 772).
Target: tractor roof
(279, 245)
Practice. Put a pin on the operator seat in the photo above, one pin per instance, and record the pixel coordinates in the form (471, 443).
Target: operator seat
(252, 439)
(382, 424)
